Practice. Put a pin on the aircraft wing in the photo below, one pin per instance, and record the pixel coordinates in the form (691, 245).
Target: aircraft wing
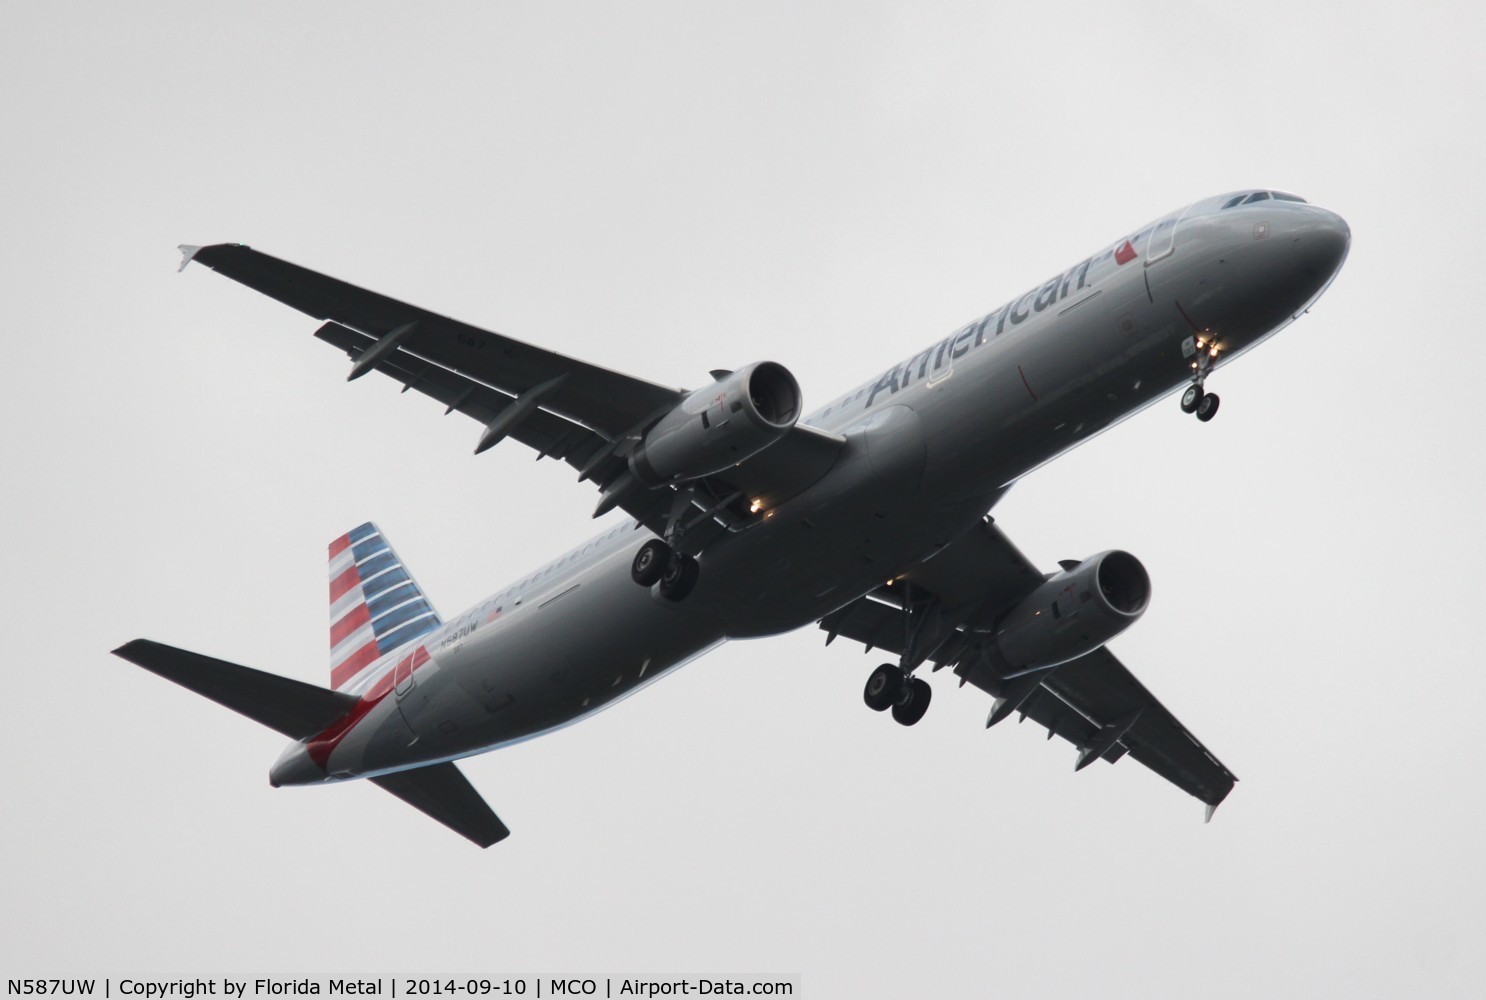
(563, 408)
(1093, 702)
(606, 401)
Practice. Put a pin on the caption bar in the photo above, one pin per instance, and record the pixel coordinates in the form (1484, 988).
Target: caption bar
(410, 987)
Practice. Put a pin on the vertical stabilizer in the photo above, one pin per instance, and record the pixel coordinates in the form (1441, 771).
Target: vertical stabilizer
(375, 604)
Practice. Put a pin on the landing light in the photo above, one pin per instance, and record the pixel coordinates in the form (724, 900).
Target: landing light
(755, 506)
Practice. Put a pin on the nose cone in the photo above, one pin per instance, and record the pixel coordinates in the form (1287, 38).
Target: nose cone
(1253, 268)
(294, 767)
(1286, 255)
(1322, 240)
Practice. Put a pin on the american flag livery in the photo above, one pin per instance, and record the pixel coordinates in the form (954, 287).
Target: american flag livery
(375, 605)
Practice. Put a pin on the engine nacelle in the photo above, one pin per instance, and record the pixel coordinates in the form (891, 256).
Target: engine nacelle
(715, 428)
(1075, 612)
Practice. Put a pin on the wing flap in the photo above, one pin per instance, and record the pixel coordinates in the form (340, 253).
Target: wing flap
(1079, 698)
(552, 436)
(773, 476)
(872, 623)
(1101, 684)
(442, 792)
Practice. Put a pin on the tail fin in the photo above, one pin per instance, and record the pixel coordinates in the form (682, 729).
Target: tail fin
(375, 604)
(296, 709)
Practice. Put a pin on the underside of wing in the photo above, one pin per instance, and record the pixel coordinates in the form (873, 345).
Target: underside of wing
(950, 611)
(609, 402)
(589, 417)
(1095, 703)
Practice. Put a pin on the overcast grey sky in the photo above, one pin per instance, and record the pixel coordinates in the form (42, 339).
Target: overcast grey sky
(666, 189)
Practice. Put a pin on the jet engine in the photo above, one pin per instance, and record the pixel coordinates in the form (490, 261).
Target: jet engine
(714, 428)
(1074, 612)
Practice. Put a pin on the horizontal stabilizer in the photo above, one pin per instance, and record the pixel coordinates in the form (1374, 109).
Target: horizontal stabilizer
(291, 707)
(444, 793)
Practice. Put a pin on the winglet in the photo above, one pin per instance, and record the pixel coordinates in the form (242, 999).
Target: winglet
(187, 253)
(1212, 808)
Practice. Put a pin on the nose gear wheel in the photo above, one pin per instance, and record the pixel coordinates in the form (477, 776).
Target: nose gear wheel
(1196, 399)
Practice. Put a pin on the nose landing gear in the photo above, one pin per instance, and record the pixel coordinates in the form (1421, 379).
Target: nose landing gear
(1196, 399)
(1204, 404)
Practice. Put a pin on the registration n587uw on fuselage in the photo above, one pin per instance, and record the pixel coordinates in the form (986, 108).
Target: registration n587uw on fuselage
(747, 518)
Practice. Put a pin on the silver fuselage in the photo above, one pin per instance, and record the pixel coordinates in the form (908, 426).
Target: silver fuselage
(931, 445)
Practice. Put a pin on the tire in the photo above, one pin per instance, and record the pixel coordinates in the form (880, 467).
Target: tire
(1191, 398)
(1208, 408)
(679, 578)
(650, 562)
(883, 686)
(913, 702)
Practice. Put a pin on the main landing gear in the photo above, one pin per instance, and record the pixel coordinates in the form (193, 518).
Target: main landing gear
(889, 687)
(1196, 399)
(926, 628)
(674, 574)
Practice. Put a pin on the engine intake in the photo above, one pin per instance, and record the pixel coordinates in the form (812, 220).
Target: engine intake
(1075, 612)
(719, 426)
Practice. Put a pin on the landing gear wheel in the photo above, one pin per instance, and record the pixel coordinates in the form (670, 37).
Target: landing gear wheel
(651, 562)
(1208, 407)
(913, 701)
(1191, 398)
(679, 578)
(883, 687)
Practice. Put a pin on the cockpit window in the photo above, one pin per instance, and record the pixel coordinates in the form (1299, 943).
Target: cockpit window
(1249, 197)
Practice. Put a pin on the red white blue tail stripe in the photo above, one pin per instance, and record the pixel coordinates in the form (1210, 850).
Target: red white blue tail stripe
(375, 605)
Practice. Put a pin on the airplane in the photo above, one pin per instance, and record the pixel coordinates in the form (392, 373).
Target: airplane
(744, 517)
